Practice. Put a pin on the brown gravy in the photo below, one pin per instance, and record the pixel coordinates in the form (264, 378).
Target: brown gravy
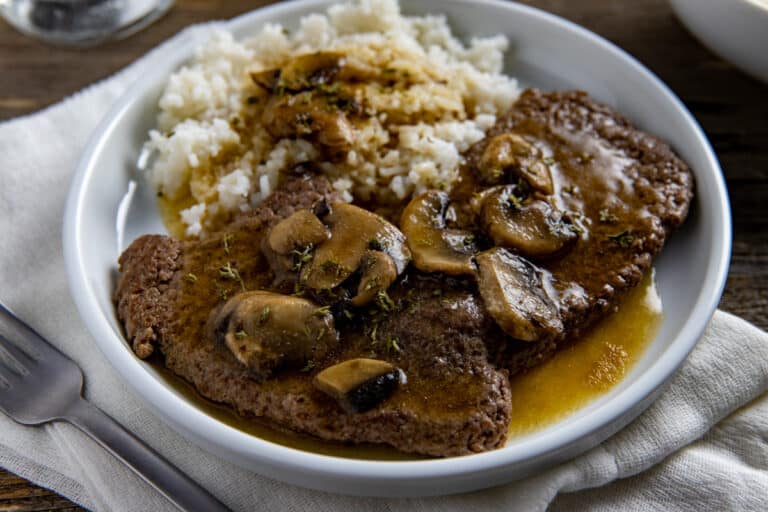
(587, 369)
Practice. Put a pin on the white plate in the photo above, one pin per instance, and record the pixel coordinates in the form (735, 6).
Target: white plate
(547, 52)
(736, 30)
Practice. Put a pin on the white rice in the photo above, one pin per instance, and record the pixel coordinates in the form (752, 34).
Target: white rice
(413, 141)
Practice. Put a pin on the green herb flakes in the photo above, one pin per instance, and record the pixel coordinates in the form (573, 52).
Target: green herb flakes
(392, 344)
(623, 239)
(514, 202)
(332, 267)
(322, 311)
(607, 217)
(300, 258)
(227, 242)
(229, 272)
(384, 301)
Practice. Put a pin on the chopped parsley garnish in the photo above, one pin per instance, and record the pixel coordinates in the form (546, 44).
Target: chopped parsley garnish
(392, 344)
(241, 334)
(328, 89)
(322, 311)
(304, 122)
(332, 267)
(384, 301)
(191, 278)
(298, 290)
(227, 242)
(607, 217)
(375, 282)
(301, 257)
(623, 239)
(514, 202)
(495, 174)
(374, 331)
(229, 272)
(523, 187)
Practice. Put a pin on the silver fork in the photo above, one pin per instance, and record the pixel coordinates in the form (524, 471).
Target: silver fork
(39, 384)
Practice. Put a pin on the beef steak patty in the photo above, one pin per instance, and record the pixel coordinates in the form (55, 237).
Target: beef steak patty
(455, 401)
(624, 190)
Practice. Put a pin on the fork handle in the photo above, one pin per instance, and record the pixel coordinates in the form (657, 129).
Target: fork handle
(149, 465)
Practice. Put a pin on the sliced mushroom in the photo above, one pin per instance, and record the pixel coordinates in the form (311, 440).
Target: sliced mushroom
(267, 78)
(307, 115)
(354, 231)
(297, 231)
(268, 331)
(531, 227)
(314, 95)
(359, 385)
(510, 152)
(514, 293)
(436, 247)
(302, 72)
(378, 272)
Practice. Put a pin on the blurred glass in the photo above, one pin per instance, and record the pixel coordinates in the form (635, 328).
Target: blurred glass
(82, 22)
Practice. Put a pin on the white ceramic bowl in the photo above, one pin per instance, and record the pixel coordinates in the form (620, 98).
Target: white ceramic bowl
(547, 52)
(736, 30)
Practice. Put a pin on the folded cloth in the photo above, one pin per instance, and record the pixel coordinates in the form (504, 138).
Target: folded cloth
(703, 445)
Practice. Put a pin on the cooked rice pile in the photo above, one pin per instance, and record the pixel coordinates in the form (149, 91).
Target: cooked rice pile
(211, 159)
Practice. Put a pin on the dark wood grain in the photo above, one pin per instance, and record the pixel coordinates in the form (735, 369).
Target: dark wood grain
(731, 107)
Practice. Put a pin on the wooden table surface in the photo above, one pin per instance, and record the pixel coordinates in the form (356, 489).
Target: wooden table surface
(731, 107)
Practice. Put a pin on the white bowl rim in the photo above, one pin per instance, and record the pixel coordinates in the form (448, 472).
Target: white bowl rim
(203, 426)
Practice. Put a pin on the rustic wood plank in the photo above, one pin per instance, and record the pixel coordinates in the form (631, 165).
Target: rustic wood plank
(730, 106)
(16, 494)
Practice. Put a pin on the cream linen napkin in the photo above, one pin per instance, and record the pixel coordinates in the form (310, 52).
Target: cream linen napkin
(693, 449)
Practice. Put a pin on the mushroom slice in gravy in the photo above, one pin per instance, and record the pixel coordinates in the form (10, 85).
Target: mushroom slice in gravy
(299, 230)
(378, 272)
(530, 227)
(514, 293)
(435, 246)
(359, 384)
(354, 232)
(268, 331)
(307, 115)
(510, 152)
